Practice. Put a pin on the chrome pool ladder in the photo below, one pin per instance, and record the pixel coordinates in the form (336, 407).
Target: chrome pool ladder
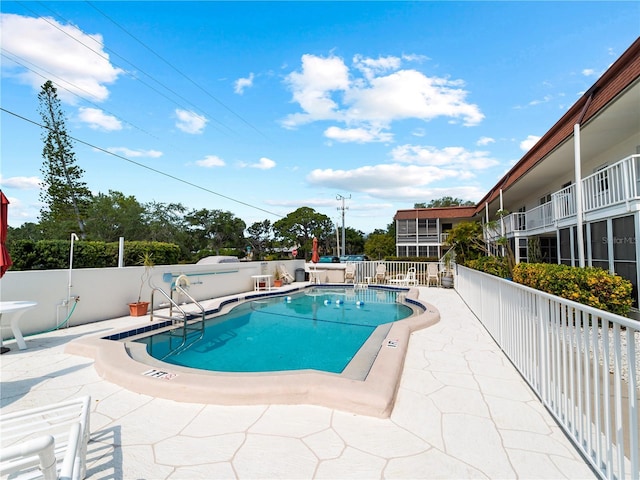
(189, 323)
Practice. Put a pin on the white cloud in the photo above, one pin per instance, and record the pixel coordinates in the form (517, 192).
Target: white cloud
(482, 141)
(22, 183)
(190, 122)
(263, 164)
(374, 93)
(545, 99)
(59, 51)
(210, 161)
(382, 181)
(313, 86)
(243, 83)
(371, 67)
(529, 142)
(127, 152)
(98, 120)
(448, 157)
(358, 135)
(589, 72)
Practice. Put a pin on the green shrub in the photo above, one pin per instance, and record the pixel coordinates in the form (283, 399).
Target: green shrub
(497, 266)
(54, 254)
(590, 286)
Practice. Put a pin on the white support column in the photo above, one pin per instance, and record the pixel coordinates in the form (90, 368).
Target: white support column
(578, 180)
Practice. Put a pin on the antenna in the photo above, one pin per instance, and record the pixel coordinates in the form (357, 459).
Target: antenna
(343, 208)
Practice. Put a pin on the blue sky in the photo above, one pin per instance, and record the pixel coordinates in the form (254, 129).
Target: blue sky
(264, 107)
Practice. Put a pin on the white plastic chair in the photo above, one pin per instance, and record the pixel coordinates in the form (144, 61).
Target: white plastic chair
(350, 273)
(381, 273)
(284, 274)
(49, 442)
(406, 279)
(433, 273)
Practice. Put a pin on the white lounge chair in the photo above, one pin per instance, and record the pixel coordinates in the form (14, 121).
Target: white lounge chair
(49, 442)
(284, 274)
(406, 279)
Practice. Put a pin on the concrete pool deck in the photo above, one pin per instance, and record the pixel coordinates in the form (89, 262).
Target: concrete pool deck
(462, 411)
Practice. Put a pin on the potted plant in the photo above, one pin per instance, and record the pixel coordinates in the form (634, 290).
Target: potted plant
(447, 274)
(139, 308)
(277, 279)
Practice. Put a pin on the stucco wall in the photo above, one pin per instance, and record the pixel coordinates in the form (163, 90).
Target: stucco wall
(105, 292)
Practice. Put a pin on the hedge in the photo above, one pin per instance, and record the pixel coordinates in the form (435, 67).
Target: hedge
(54, 254)
(492, 265)
(590, 286)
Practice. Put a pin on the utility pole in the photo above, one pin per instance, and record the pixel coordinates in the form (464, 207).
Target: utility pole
(343, 208)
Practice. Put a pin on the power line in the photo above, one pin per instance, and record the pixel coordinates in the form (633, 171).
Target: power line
(135, 77)
(142, 165)
(206, 92)
(52, 75)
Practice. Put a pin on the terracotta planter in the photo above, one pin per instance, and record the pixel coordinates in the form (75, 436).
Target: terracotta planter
(277, 283)
(138, 309)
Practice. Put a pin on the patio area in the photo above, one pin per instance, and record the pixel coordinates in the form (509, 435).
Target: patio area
(462, 411)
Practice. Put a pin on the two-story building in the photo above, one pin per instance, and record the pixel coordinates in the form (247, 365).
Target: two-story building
(422, 232)
(574, 198)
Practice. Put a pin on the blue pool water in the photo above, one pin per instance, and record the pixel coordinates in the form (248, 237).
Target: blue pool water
(319, 329)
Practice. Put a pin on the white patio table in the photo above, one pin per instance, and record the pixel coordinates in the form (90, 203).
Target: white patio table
(13, 311)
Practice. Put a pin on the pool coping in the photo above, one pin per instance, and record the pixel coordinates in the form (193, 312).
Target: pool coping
(373, 396)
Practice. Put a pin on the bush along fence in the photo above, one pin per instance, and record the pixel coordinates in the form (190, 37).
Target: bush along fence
(54, 254)
(590, 286)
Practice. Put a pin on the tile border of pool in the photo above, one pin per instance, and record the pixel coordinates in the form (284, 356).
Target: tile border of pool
(375, 396)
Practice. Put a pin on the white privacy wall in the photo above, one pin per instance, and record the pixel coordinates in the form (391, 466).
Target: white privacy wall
(105, 292)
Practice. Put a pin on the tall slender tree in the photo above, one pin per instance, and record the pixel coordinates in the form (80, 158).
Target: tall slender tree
(64, 193)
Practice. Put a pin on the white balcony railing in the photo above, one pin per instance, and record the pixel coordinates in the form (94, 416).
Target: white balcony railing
(580, 361)
(611, 186)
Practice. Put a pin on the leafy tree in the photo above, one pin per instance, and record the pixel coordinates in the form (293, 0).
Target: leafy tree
(26, 231)
(468, 241)
(115, 215)
(166, 223)
(380, 245)
(299, 227)
(445, 202)
(65, 195)
(260, 238)
(216, 229)
(354, 241)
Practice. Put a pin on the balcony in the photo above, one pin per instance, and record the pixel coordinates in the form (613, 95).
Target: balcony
(607, 192)
(421, 238)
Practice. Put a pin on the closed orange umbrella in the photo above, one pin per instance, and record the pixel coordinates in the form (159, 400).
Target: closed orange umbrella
(5, 258)
(315, 258)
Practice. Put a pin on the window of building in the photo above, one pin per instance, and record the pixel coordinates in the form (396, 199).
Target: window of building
(624, 250)
(599, 245)
(565, 246)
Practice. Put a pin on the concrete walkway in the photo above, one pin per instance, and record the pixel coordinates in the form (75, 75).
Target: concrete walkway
(462, 411)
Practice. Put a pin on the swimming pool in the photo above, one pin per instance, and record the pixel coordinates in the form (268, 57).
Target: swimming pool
(319, 329)
(367, 386)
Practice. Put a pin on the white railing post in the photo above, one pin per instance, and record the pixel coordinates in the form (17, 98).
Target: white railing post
(566, 358)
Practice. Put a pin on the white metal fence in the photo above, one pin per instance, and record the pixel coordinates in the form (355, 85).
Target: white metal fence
(581, 362)
(367, 269)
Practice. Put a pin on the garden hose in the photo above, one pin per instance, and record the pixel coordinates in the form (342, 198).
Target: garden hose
(77, 299)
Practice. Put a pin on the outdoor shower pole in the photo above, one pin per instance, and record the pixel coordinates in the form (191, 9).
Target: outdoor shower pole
(73, 237)
(343, 208)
